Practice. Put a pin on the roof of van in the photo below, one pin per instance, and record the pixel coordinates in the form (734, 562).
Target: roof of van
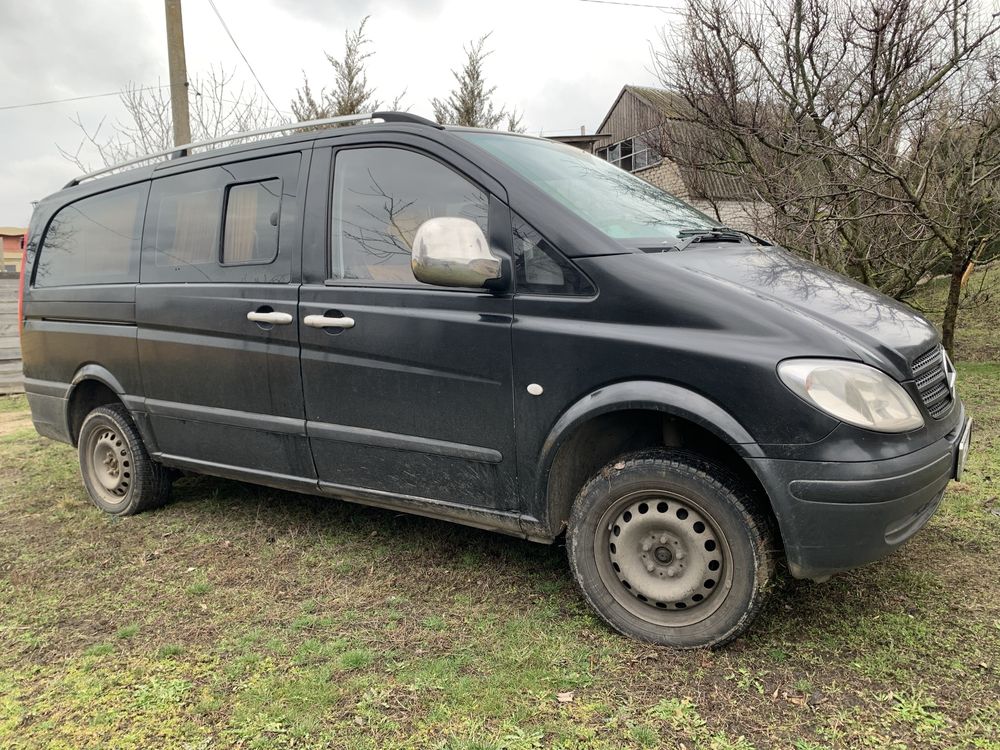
(404, 122)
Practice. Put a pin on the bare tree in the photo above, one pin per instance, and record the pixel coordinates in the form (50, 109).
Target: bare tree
(218, 108)
(869, 127)
(350, 94)
(471, 104)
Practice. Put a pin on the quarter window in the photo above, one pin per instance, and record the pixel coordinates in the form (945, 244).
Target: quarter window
(540, 268)
(94, 240)
(381, 196)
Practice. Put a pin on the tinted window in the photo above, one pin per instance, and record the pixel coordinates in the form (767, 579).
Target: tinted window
(251, 229)
(187, 225)
(94, 240)
(381, 196)
(615, 202)
(223, 223)
(540, 268)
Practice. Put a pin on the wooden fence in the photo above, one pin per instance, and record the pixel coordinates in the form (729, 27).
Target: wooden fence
(11, 379)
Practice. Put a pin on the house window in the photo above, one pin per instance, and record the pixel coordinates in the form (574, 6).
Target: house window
(631, 154)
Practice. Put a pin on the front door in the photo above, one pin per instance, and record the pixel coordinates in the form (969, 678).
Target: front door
(407, 386)
(216, 309)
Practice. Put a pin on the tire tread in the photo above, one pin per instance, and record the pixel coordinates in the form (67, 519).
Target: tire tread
(151, 481)
(751, 509)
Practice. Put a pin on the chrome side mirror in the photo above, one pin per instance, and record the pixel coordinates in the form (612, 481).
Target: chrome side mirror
(450, 251)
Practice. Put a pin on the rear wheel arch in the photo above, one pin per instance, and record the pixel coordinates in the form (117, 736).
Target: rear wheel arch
(636, 415)
(92, 386)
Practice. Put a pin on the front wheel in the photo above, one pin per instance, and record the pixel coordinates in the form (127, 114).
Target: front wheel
(118, 473)
(670, 548)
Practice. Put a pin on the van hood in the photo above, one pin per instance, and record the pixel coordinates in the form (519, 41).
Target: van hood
(879, 329)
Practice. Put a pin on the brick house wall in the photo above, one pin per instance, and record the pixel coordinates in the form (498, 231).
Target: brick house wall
(667, 176)
(745, 215)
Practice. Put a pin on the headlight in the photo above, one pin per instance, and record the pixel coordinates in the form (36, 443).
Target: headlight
(853, 393)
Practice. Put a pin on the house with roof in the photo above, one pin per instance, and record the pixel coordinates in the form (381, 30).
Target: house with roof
(12, 243)
(628, 137)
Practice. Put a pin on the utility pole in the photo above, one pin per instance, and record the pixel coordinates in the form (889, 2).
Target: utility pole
(178, 73)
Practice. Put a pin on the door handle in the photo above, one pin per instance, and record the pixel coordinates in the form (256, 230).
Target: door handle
(321, 321)
(275, 318)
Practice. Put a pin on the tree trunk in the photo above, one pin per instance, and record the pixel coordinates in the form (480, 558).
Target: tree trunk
(958, 263)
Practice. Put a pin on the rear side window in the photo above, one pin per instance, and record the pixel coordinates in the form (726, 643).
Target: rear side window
(187, 227)
(381, 196)
(223, 223)
(94, 240)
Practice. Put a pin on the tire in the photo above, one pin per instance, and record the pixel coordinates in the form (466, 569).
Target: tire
(670, 548)
(117, 471)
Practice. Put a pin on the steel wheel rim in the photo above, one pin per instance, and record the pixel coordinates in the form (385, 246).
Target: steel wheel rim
(110, 466)
(646, 535)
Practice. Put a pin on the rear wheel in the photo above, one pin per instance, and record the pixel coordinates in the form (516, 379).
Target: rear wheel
(670, 548)
(118, 473)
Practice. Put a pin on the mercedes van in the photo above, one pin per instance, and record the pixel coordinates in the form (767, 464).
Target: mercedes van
(496, 330)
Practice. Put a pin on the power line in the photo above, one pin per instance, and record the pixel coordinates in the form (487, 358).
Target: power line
(664, 8)
(249, 66)
(76, 98)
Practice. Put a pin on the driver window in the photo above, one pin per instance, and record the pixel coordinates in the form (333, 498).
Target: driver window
(381, 196)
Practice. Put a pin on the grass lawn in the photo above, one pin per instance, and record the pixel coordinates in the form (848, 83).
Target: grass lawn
(239, 616)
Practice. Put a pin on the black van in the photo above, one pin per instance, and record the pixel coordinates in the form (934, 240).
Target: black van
(497, 330)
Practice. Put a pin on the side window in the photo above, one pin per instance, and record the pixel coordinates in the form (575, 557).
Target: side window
(222, 223)
(540, 268)
(250, 234)
(187, 222)
(94, 240)
(381, 196)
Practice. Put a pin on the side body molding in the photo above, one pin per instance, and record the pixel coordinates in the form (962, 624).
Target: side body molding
(647, 395)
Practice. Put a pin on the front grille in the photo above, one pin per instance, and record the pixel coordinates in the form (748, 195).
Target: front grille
(931, 374)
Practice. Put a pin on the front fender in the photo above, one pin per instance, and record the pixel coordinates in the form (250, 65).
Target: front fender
(646, 395)
(654, 396)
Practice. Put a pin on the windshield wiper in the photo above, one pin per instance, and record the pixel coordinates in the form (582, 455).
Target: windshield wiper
(687, 237)
(711, 234)
(723, 234)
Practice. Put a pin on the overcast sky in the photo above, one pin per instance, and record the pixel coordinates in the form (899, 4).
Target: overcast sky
(561, 62)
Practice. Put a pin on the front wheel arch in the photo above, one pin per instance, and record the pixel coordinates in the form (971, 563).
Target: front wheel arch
(630, 416)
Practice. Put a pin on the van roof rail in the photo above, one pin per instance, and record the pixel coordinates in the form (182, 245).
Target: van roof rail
(180, 151)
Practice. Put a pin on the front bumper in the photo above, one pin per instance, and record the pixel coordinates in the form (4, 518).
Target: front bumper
(835, 516)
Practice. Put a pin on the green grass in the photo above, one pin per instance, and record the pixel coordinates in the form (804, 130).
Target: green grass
(18, 403)
(242, 617)
(977, 337)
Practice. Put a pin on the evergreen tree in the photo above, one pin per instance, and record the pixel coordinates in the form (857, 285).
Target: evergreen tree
(471, 103)
(350, 94)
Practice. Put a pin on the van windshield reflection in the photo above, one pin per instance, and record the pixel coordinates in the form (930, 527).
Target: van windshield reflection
(610, 199)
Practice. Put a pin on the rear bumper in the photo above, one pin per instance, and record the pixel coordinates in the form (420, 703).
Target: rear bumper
(48, 413)
(839, 515)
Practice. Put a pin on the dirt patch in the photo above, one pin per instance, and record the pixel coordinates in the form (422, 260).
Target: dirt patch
(14, 421)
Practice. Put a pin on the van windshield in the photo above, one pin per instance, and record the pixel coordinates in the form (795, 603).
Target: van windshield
(610, 199)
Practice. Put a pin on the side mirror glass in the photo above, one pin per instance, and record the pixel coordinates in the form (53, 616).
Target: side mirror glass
(450, 251)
